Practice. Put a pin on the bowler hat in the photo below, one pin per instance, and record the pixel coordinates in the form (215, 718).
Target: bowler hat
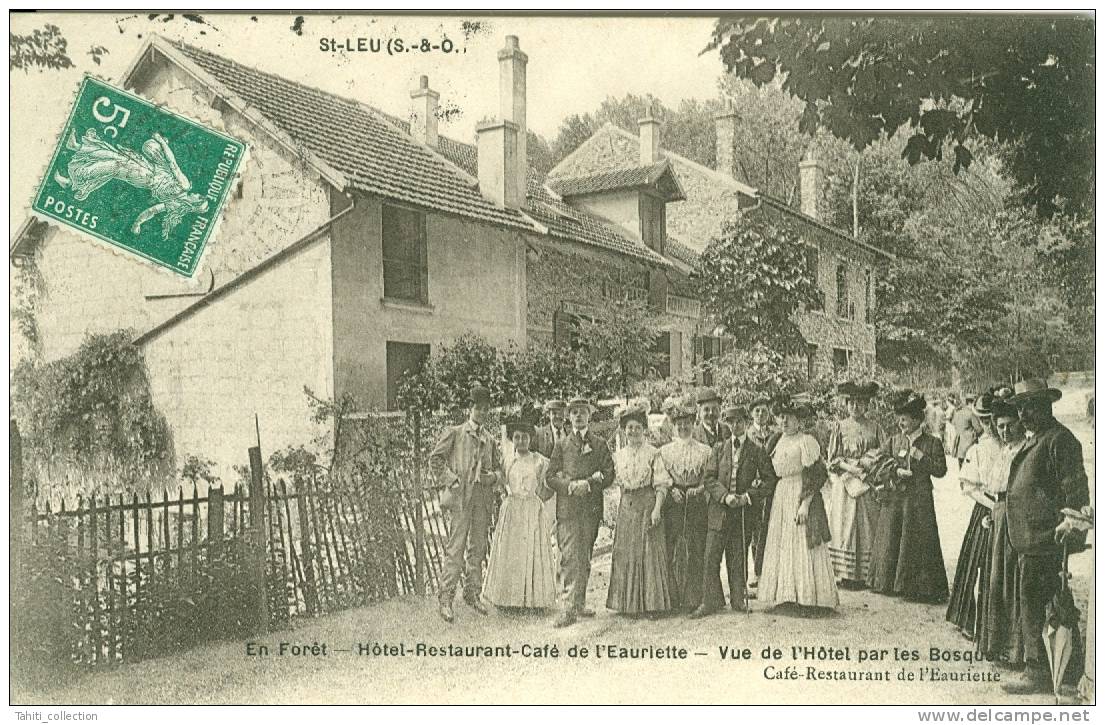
(520, 426)
(479, 395)
(1034, 389)
(734, 412)
(707, 395)
(556, 404)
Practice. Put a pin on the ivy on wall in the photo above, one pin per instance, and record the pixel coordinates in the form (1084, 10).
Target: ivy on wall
(91, 413)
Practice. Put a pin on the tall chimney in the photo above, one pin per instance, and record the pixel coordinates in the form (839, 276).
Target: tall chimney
(512, 103)
(725, 133)
(424, 113)
(810, 174)
(650, 139)
(496, 161)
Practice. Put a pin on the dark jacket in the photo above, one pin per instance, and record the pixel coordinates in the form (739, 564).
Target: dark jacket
(1047, 475)
(570, 462)
(711, 437)
(544, 442)
(925, 457)
(753, 465)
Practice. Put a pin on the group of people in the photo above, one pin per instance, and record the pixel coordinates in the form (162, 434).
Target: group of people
(718, 483)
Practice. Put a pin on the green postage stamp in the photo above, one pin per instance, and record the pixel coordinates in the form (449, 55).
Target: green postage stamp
(138, 176)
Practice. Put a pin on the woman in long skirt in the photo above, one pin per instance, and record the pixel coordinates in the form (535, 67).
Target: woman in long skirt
(851, 508)
(1000, 638)
(640, 577)
(967, 604)
(906, 558)
(520, 571)
(685, 461)
(796, 560)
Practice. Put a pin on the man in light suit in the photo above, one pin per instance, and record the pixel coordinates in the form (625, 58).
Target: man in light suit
(1047, 475)
(736, 464)
(465, 463)
(579, 470)
(709, 430)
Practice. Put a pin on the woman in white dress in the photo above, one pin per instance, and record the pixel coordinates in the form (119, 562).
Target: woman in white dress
(797, 567)
(520, 571)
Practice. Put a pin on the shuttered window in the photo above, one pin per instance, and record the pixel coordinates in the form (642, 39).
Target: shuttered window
(404, 241)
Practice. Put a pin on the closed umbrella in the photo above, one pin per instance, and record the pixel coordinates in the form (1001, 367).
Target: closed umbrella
(1061, 630)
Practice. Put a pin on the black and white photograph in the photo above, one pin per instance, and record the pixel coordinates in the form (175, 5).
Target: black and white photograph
(562, 358)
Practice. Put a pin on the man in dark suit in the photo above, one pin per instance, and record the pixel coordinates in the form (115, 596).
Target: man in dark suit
(735, 466)
(709, 430)
(580, 468)
(556, 428)
(1047, 475)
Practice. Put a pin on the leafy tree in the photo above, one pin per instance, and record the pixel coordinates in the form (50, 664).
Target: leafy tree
(1027, 81)
(754, 277)
(621, 336)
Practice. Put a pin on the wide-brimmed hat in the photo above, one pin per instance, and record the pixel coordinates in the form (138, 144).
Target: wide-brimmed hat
(683, 409)
(1034, 389)
(633, 411)
(911, 403)
(707, 395)
(581, 402)
(519, 425)
(1002, 409)
(479, 395)
(760, 400)
(864, 391)
(1002, 392)
(734, 412)
(556, 404)
(798, 406)
(983, 407)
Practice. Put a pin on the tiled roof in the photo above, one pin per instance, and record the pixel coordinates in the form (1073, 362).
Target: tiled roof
(679, 251)
(377, 155)
(632, 177)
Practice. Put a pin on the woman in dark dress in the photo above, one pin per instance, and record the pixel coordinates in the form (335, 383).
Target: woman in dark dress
(906, 557)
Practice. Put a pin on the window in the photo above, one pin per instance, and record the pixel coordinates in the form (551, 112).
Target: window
(707, 347)
(661, 349)
(402, 358)
(404, 233)
(841, 359)
(812, 264)
(841, 291)
(811, 361)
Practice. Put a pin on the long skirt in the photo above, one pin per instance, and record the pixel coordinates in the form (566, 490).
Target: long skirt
(640, 578)
(852, 526)
(686, 540)
(520, 571)
(970, 589)
(906, 558)
(793, 572)
(1000, 636)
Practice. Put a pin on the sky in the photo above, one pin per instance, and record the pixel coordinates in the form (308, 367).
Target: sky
(574, 63)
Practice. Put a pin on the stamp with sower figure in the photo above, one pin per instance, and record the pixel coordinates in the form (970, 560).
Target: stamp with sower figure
(138, 176)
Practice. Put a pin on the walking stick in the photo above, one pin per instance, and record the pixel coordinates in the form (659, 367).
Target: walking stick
(744, 564)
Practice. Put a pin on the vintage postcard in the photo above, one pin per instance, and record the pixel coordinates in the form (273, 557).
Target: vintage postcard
(573, 359)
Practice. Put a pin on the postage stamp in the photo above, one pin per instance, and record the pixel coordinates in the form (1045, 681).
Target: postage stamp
(138, 176)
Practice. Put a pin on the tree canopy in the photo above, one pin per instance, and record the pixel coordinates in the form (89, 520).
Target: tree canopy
(1021, 80)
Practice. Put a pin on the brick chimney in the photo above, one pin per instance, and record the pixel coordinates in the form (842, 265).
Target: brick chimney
(725, 134)
(810, 175)
(650, 139)
(424, 113)
(497, 163)
(512, 102)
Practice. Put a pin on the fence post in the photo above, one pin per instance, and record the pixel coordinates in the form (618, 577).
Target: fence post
(258, 539)
(419, 526)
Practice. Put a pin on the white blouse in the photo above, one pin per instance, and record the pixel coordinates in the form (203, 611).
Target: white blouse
(640, 466)
(685, 460)
(793, 453)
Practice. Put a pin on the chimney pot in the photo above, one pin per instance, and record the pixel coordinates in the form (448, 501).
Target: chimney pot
(810, 175)
(424, 113)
